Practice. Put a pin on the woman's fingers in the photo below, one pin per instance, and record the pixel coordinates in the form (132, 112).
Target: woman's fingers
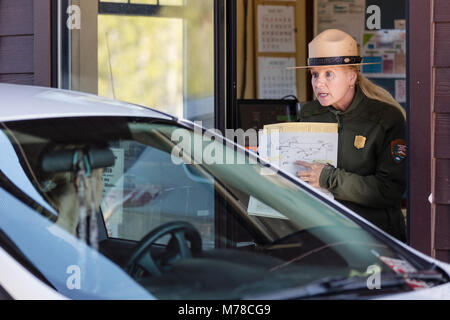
(304, 176)
(312, 172)
(303, 163)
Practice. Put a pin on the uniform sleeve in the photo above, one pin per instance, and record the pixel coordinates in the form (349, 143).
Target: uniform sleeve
(382, 189)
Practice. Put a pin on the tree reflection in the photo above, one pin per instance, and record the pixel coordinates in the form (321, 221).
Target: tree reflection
(163, 62)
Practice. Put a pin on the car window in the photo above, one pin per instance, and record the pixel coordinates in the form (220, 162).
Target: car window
(186, 213)
(148, 187)
(145, 189)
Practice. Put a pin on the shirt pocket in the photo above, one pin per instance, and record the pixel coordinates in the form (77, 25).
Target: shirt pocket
(358, 151)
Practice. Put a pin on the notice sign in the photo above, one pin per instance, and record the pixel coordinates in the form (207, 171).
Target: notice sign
(305, 141)
(346, 15)
(112, 206)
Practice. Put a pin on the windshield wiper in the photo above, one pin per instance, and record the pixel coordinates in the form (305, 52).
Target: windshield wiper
(341, 285)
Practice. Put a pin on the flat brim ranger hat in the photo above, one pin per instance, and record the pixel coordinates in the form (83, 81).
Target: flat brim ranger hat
(333, 47)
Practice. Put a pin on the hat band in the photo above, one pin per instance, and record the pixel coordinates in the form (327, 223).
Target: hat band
(334, 61)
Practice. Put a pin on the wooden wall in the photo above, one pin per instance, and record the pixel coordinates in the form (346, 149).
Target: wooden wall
(441, 129)
(25, 44)
(419, 126)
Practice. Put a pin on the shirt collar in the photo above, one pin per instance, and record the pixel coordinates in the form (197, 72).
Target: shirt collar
(357, 99)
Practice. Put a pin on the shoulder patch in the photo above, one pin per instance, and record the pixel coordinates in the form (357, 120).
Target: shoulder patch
(398, 150)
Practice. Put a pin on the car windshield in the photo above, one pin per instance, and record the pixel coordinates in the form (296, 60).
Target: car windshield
(246, 229)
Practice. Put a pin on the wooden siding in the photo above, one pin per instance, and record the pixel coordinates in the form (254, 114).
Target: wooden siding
(16, 54)
(442, 10)
(442, 226)
(17, 78)
(441, 129)
(442, 43)
(16, 17)
(442, 187)
(25, 42)
(442, 135)
(443, 255)
(419, 146)
(42, 42)
(442, 90)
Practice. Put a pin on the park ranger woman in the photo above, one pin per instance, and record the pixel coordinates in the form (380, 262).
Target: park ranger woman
(370, 175)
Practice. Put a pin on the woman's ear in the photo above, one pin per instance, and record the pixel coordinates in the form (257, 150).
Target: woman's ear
(352, 76)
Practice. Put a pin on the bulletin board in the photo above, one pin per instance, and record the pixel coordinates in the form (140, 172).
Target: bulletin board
(345, 15)
(275, 49)
(386, 46)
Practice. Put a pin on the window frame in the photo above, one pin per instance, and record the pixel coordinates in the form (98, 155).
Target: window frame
(137, 9)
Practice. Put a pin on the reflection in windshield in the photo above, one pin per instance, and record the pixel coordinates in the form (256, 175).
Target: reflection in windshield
(257, 232)
(54, 252)
(9, 166)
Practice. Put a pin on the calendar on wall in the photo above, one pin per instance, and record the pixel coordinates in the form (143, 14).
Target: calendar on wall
(275, 45)
(276, 28)
(275, 81)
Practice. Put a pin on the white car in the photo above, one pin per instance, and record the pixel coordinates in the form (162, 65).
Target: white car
(102, 199)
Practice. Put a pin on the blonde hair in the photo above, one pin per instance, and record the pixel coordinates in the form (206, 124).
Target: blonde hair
(373, 91)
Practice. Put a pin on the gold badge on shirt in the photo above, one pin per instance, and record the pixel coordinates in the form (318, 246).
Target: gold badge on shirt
(360, 142)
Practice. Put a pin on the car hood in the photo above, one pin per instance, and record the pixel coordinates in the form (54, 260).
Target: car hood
(436, 293)
(31, 102)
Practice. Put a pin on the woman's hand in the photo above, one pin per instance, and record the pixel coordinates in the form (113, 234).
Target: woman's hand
(312, 172)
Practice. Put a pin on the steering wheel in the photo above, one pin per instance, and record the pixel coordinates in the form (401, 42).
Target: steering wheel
(177, 248)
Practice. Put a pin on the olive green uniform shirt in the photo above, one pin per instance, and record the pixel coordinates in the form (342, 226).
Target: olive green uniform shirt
(370, 177)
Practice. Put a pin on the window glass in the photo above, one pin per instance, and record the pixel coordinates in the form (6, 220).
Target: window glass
(145, 176)
(146, 189)
(158, 54)
(141, 61)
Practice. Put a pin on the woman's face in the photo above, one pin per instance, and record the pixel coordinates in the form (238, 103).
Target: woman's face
(331, 86)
